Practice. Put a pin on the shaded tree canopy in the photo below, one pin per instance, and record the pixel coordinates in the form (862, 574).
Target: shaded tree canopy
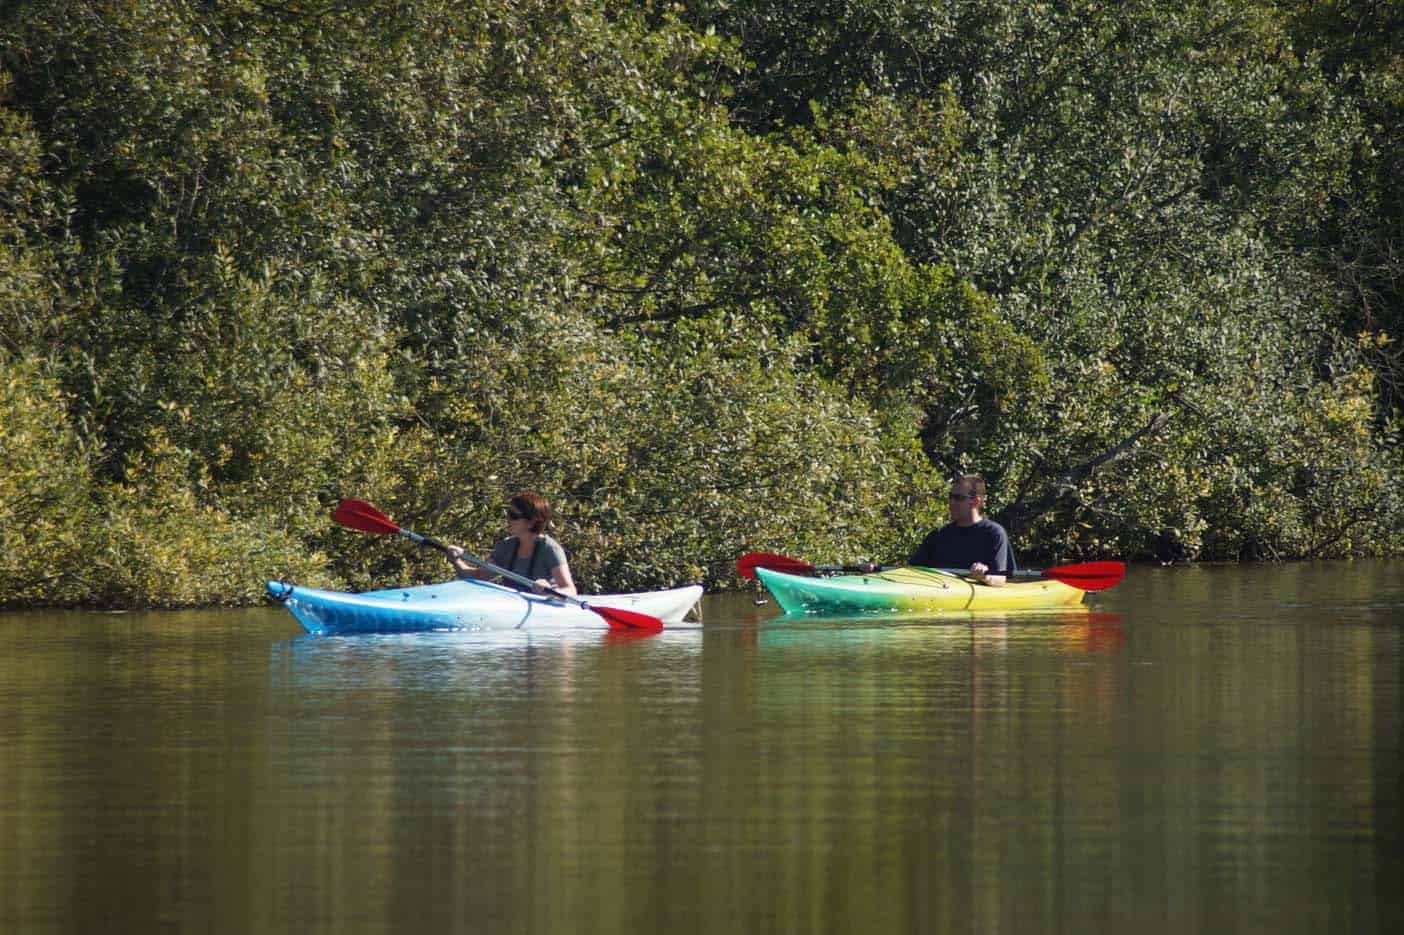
(712, 277)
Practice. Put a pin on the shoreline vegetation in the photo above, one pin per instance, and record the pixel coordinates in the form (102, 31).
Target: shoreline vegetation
(714, 276)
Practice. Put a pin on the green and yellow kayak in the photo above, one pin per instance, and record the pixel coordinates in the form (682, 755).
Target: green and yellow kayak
(911, 591)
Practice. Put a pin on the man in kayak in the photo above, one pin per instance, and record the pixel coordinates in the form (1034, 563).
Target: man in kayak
(969, 540)
(527, 550)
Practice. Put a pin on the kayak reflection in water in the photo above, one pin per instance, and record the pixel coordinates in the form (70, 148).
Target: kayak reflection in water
(527, 550)
(969, 540)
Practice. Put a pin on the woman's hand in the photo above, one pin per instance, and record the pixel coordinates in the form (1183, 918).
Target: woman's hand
(455, 557)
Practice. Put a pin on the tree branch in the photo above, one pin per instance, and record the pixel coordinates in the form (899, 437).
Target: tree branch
(1018, 516)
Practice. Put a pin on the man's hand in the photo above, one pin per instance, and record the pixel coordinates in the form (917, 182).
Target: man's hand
(981, 573)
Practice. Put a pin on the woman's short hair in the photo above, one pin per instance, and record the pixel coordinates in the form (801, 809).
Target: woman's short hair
(533, 508)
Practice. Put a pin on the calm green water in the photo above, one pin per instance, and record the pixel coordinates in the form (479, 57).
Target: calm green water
(1210, 750)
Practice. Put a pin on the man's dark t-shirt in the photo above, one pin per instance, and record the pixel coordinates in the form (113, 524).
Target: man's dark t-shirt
(954, 546)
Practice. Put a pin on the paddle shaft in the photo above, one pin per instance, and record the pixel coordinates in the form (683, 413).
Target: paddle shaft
(869, 570)
(865, 570)
(1023, 574)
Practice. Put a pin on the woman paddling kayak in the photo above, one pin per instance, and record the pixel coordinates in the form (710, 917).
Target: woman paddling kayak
(527, 550)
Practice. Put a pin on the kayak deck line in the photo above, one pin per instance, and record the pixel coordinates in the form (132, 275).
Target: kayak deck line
(915, 577)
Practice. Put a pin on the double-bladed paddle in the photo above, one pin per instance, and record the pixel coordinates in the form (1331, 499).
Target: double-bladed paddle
(360, 515)
(1088, 576)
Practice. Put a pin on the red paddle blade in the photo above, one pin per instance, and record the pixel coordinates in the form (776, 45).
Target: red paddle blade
(1088, 576)
(358, 514)
(747, 564)
(620, 619)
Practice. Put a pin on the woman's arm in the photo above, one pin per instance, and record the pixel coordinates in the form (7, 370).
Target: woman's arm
(463, 569)
(561, 580)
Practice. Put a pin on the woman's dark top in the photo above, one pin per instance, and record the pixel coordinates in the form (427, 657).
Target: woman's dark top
(547, 555)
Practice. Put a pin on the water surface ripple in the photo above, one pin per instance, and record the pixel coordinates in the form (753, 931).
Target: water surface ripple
(1208, 749)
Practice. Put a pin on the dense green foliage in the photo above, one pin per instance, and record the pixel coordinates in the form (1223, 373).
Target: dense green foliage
(712, 277)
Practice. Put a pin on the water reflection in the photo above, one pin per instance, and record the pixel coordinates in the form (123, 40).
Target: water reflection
(1202, 750)
(1074, 630)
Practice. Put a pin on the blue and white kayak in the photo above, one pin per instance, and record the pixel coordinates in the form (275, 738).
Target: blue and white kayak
(465, 605)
